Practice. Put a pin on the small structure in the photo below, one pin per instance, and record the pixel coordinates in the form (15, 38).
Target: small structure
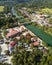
(22, 28)
(11, 45)
(18, 37)
(28, 35)
(25, 33)
(33, 39)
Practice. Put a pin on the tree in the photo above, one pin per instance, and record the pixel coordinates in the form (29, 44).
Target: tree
(1, 37)
(4, 63)
(14, 39)
(7, 52)
(23, 57)
(50, 20)
(4, 32)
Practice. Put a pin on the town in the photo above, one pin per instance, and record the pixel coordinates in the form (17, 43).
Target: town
(25, 34)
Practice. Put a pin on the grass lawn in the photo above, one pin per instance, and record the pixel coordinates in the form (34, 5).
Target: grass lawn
(1, 8)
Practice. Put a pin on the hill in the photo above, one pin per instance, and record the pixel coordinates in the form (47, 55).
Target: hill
(36, 3)
(41, 3)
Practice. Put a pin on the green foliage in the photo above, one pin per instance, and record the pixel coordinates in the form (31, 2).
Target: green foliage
(36, 4)
(50, 20)
(7, 22)
(14, 39)
(1, 37)
(35, 57)
(4, 63)
(7, 52)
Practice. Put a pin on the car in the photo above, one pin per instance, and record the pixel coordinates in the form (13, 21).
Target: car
(1, 41)
(3, 59)
(3, 56)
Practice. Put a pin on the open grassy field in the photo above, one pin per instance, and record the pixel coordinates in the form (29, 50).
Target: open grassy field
(1, 8)
(45, 10)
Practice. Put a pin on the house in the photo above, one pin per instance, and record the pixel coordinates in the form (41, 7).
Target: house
(36, 43)
(33, 39)
(25, 33)
(21, 28)
(18, 37)
(12, 33)
(11, 45)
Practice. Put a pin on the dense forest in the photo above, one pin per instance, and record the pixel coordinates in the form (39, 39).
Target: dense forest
(42, 3)
(37, 3)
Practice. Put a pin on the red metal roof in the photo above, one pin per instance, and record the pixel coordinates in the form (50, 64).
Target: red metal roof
(12, 43)
(12, 32)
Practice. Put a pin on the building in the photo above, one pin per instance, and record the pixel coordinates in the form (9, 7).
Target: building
(36, 43)
(12, 33)
(11, 45)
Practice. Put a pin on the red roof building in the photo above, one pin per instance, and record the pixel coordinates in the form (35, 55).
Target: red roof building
(11, 33)
(12, 44)
(36, 43)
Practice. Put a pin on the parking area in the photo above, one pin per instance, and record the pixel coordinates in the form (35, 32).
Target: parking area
(4, 47)
(3, 57)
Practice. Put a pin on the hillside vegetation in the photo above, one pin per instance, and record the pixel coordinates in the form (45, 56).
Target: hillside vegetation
(37, 4)
(1, 8)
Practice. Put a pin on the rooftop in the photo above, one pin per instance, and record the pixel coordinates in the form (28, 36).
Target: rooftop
(12, 32)
(35, 43)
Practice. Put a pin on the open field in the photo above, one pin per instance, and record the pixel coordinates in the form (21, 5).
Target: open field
(1, 8)
(45, 10)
